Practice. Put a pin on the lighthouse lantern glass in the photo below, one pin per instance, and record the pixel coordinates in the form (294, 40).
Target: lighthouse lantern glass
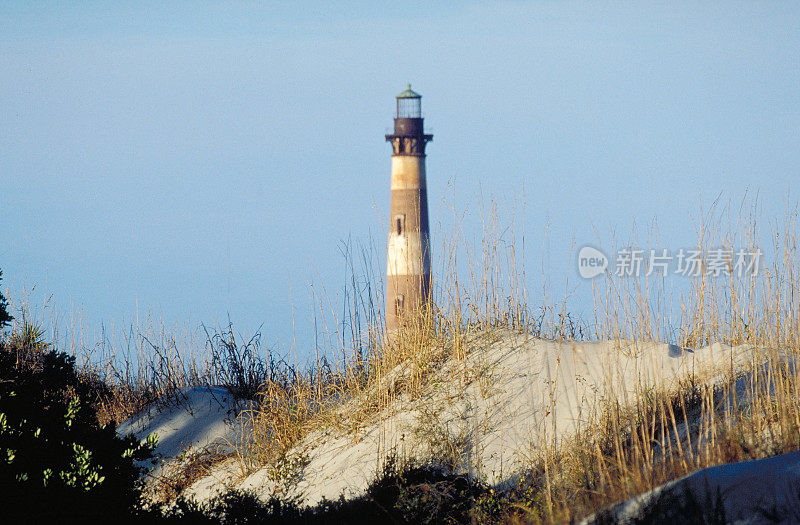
(409, 107)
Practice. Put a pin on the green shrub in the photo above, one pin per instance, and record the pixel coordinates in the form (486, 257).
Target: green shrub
(56, 461)
(5, 317)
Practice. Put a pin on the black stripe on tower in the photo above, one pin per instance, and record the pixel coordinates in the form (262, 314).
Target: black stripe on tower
(409, 137)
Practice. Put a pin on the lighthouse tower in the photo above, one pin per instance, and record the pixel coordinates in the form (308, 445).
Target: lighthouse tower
(408, 261)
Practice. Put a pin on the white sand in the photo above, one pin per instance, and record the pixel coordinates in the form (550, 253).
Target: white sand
(199, 417)
(518, 394)
(748, 490)
(521, 393)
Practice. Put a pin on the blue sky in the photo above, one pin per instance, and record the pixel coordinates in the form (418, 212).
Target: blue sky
(205, 159)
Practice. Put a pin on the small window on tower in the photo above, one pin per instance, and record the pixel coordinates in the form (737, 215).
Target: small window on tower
(400, 223)
(399, 305)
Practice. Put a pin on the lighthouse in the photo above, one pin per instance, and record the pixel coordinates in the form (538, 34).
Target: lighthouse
(408, 260)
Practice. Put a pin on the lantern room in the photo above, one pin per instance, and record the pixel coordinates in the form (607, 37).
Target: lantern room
(409, 104)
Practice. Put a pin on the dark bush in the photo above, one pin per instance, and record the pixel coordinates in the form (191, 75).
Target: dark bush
(5, 317)
(424, 494)
(57, 463)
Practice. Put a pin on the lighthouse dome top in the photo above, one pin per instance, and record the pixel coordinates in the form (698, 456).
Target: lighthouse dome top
(408, 93)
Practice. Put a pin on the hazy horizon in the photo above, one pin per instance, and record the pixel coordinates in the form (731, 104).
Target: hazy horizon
(204, 161)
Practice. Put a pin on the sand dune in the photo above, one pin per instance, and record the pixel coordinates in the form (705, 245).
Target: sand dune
(511, 395)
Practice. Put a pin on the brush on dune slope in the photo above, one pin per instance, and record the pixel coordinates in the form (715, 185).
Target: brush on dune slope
(489, 414)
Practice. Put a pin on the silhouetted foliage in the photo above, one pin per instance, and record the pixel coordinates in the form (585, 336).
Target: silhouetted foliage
(425, 494)
(238, 364)
(56, 462)
(5, 317)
